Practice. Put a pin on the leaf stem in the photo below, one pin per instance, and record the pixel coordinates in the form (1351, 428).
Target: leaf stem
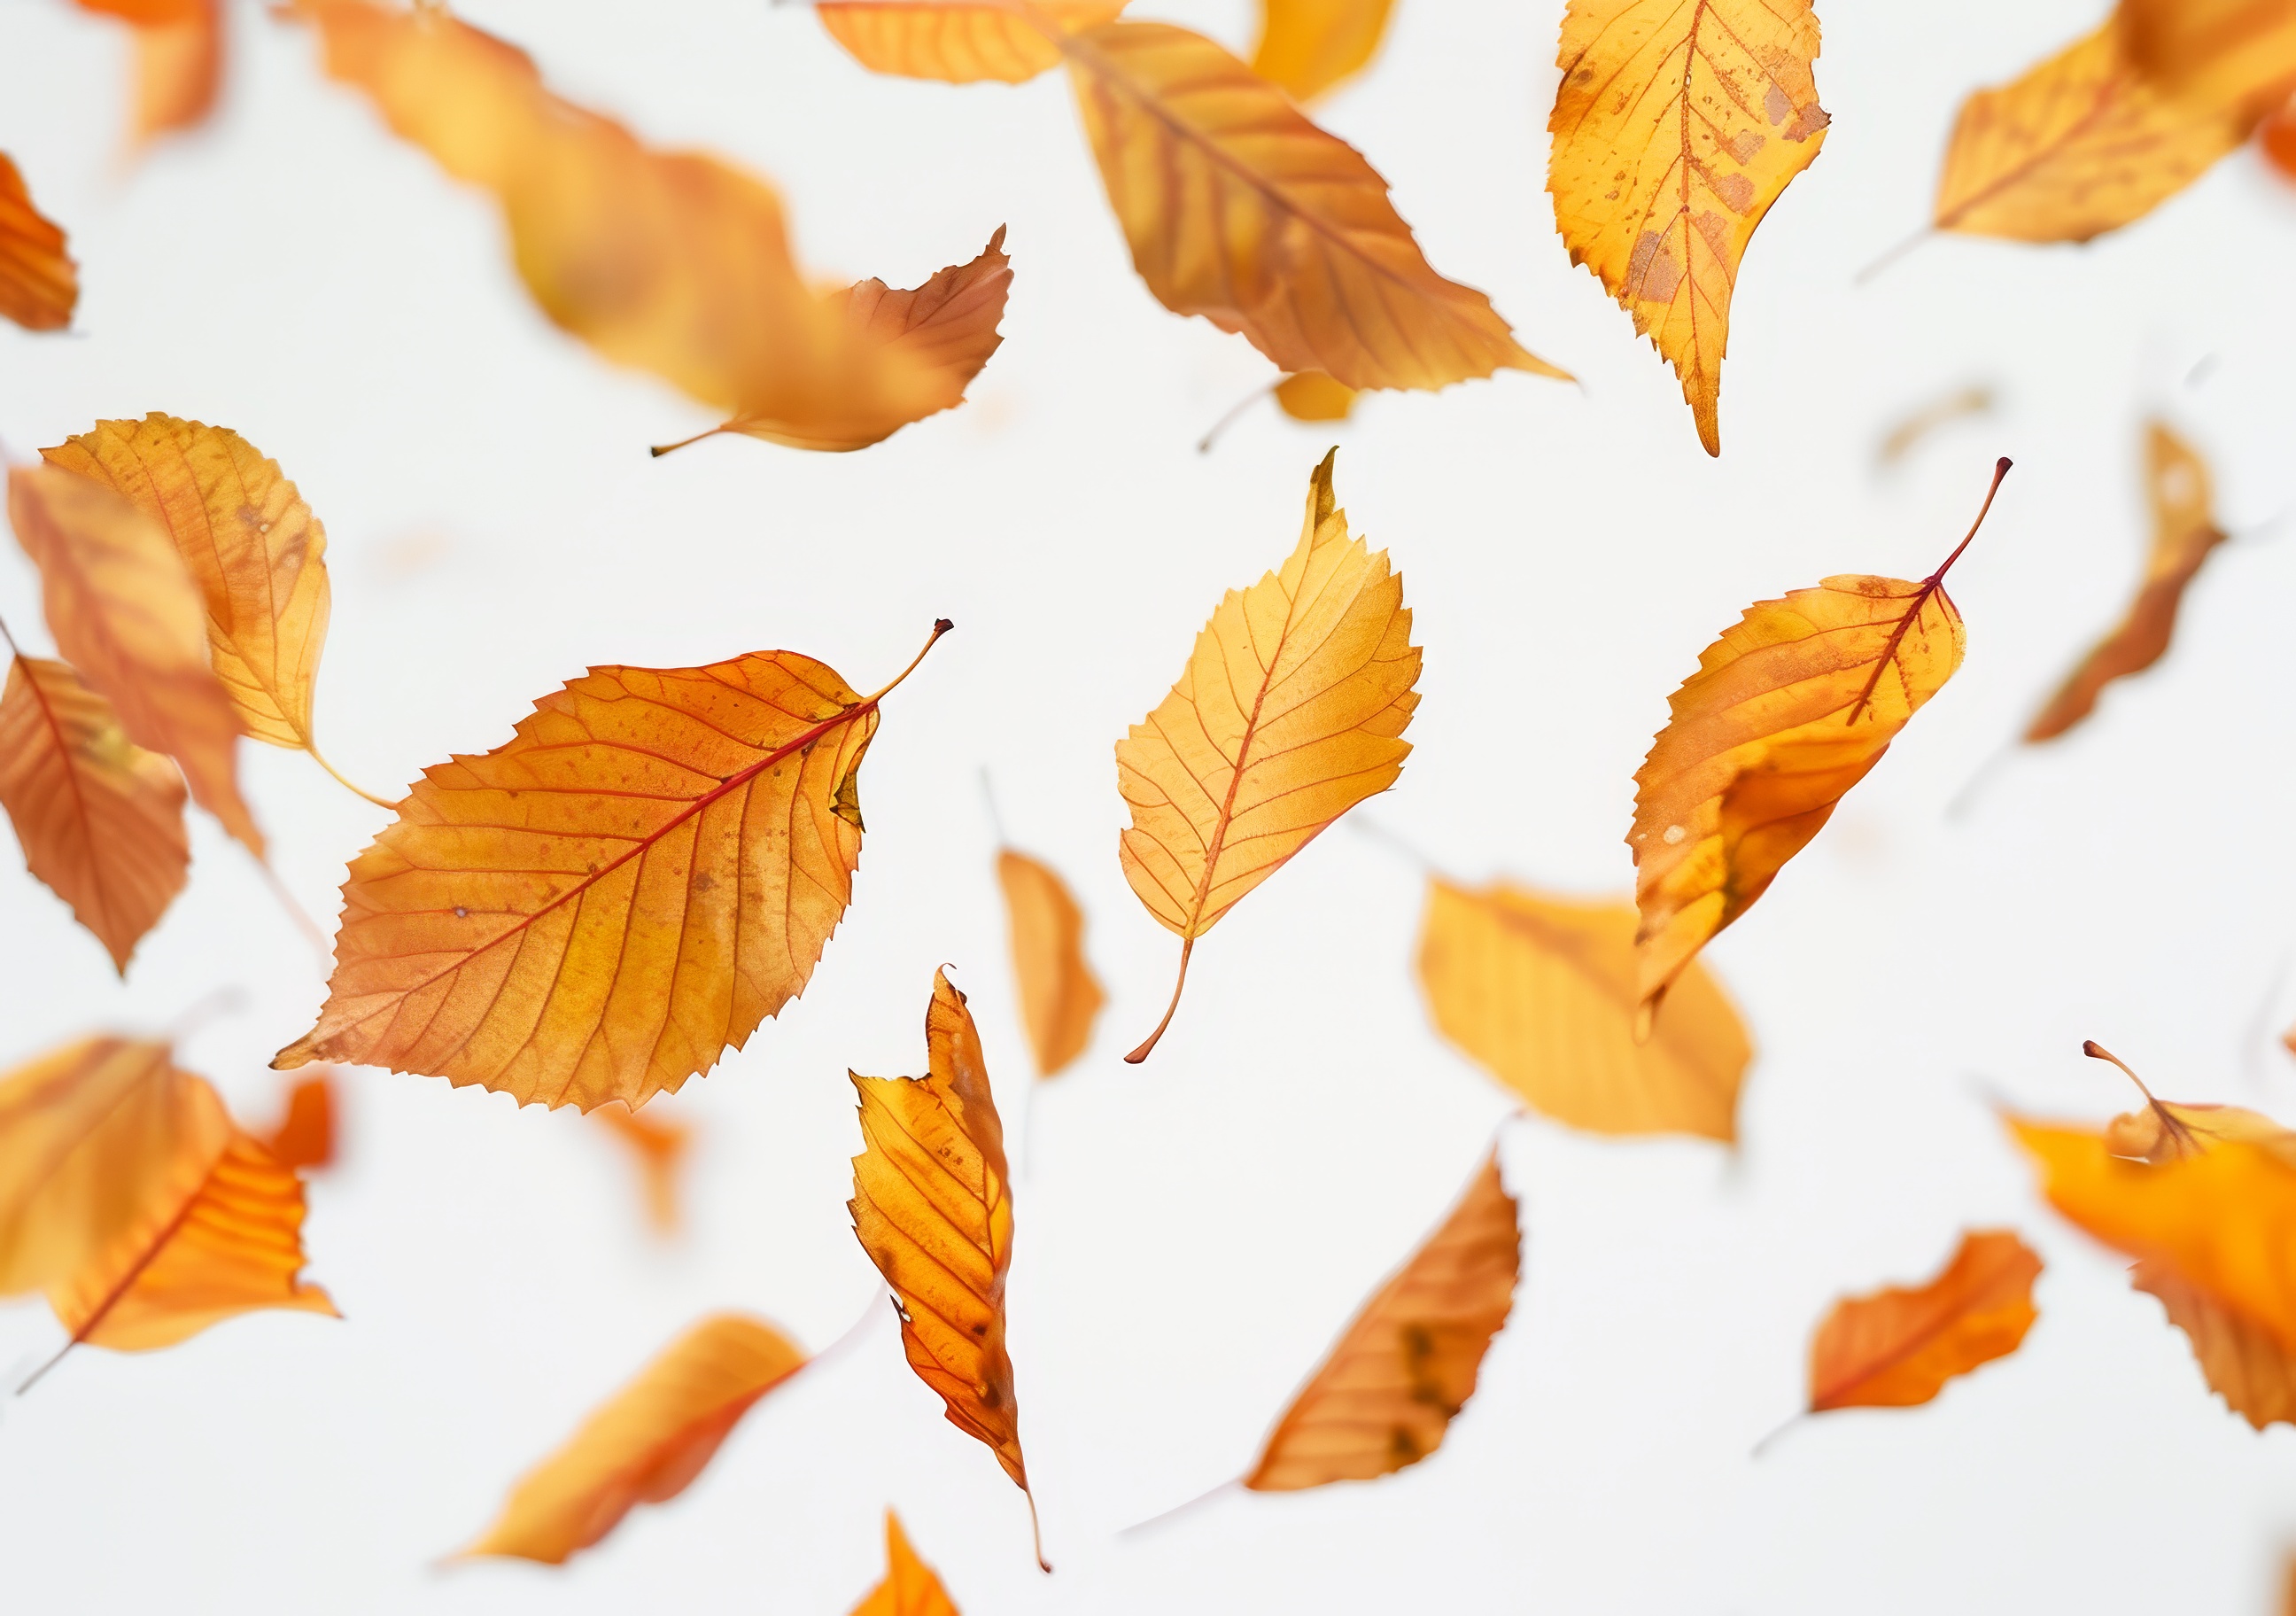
(1235, 412)
(1929, 587)
(941, 626)
(317, 757)
(2095, 1051)
(1177, 1510)
(659, 449)
(2000, 473)
(1894, 254)
(1187, 947)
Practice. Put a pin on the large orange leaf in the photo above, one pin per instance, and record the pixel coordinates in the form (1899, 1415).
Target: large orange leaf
(933, 1205)
(657, 1147)
(127, 615)
(910, 1587)
(960, 41)
(100, 819)
(1060, 996)
(672, 262)
(1675, 129)
(599, 907)
(1291, 711)
(1792, 707)
(39, 284)
(1541, 992)
(646, 1444)
(1900, 1345)
(2183, 534)
(1309, 46)
(1406, 1363)
(2239, 54)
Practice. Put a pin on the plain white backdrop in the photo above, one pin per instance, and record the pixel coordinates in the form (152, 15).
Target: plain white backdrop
(1194, 1232)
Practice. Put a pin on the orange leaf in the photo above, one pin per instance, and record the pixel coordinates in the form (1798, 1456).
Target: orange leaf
(306, 1134)
(2277, 139)
(910, 1587)
(2239, 54)
(1899, 1346)
(100, 820)
(1312, 396)
(178, 72)
(1308, 46)
(1541, 993)
(1675, 129)
(933, 1205)
(1060, 996)
(1406, 1363)
(957, 41)
(2243, 1363)
(2183, 534)
(658, 1147)
(647, 1443)
(39, 284)
(1291, 711)
(1792, 707)
(127, 615)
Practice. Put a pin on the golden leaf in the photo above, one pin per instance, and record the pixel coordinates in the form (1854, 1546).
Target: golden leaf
(1291, 711)
(39, 284)
(647, 1443)
(2238, 54)
(657, 1147)
(1313, 396)
(2183, 534)
(1675, 129)
(1792, 707)
(1406, 1363)
(1060, 996)
(2242, 1362)
(1900, 1345)
(306, 1134)
(1541, 993)
(910, 1587)
(933, 1205)
(596, 909)
(100, 819)
(178, 72)
(959, 43)
(1308, 46)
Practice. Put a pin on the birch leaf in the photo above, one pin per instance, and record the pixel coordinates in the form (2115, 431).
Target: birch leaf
(1310, 46)
(1060, 996)
(39, 284)
(1899, 1346)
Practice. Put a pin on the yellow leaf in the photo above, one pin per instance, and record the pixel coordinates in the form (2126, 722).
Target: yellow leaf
(1899, 1346)
(933, 1205)
(127, 615)
(910, 1587)
(1312, 396)
(1060, 996)
(657, 1147)
(596, 909)
(1788, 709)
(647, 1443)
(2237, 54)
(1309, 45)
(1541, 992)
(100, 819)
(957, 41)
(1406, 1363)
(39, 284)
(1291, 711)
(1675, 129)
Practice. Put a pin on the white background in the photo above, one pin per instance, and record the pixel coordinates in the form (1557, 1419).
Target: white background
(1194, 1232)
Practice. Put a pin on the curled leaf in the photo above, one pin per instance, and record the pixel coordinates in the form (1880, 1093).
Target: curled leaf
(1060, 996)
(910, 1587)
(1309, 46)
(39, 284)
(1899, 1346)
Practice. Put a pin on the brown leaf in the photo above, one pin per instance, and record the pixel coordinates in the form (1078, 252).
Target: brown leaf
(39, 284)
(910, 1587)
(1899, 1346)
(1060, 996)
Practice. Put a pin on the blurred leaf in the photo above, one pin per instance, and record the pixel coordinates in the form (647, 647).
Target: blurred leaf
(39, 285)
(2238, 54)
(910, 1587)
(1308, 46)
(1312, 396)
(304, 1138)
(1899, 1346)
(955, 42)
(1060, 996)
(657, 1148)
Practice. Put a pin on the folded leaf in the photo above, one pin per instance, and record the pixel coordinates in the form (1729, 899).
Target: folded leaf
(306, 1134)
(1541, 993)
(647, 1443)
(657, 1147)
(1675, 129)
(1792, 707)
(1900, 1345)
(933, 1205)
(1060, 996)
(1406, 1363)
(1291, 710)
(39, 284)
(958, 41)
(910, 1587)
(1312, 396)
(1308, 46)
(127, 615)
(100, 819)
(2183, 534)
(2244, 1363)
(2239, 54)
(598, 909)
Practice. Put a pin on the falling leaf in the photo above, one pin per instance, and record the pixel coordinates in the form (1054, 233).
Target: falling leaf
(596, 909)
(304, 1138)
(39, 284)
(1291, 711)
(910, 1587)
(1792, 707)
(1312, 396)
(2183, 534)
(2239, 54)
(957, 43)
(100, 819)
(1900, 1345)
(1953, 406)
(658, 1148)
(1060, 996)
(2276, 137)
(671, 262)
(127, 615)
(933, 1205)
(1675, 130)
(178, 72)
(1406, 1363)
(647, 1443)
(1541, 992)
(1308, 46)
(2244, 1362)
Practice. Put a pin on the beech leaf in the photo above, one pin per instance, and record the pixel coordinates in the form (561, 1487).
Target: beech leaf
(39, 284)
(1899, 1346)
(1060, 996)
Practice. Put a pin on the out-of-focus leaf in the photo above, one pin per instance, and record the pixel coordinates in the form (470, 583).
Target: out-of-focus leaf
(957, 41)
(2239, 54)
(1900, 1345)
(1312, 396)
(304, 1138)
(910, 1587)
(39, 284)
(657, 1147)
(1060, 996)
(1309, 46)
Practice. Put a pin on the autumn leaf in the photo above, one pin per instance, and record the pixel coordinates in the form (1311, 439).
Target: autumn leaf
(127, 615)
(39, 284)
(1309, 46)
(178, 48)
(2276, 137)
(2183, 534)
(100, 819)
(657, 1148)
(959, 43)
(2238, 54)
(598, 908)
(1541, 993)
(671, 262)
(1900, 1345)
(933, 1205)
(647, 1443)
(1406, 1363)
(1291, 711)
(1675, 129)
(304, 1138)
(1312, 396)
(910, 1587)
(1060, 996)
(1792, 707)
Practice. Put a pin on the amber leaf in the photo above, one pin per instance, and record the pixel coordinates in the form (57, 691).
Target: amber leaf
(1060, 996)
(306, 1134)
(959, 43)
(1312, 396)
(1309, 46)
(657, 1147)
(39, 284)
(1900, 1345)
(910, 1587)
